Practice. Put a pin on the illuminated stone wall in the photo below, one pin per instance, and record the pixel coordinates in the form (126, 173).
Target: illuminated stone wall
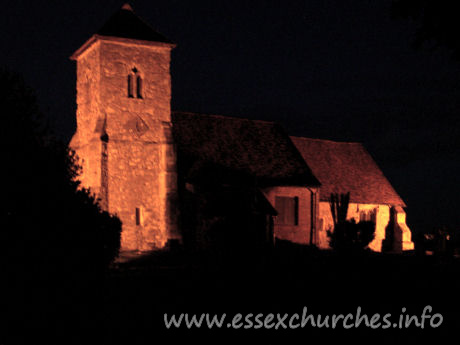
(133, 167)
(406, 234)
(86, 141)
(382, 217)
(295, 233)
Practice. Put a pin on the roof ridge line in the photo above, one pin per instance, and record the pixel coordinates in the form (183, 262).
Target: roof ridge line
(329, 140)
(224, 116)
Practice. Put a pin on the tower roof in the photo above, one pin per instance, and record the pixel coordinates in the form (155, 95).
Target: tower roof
(126, 24)
(122, 26)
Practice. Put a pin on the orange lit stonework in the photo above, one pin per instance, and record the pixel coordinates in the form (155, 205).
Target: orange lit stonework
(382, 218)
(124, 143)
(307, 204)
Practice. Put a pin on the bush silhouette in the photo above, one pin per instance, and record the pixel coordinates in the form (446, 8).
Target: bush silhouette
(351, 236)
(348, 235)
(54, 237)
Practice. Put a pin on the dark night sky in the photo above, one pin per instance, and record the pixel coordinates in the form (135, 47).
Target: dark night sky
(342, 70)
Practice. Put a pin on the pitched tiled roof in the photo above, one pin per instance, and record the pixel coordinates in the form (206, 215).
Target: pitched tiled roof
(347, 167)
(126, 24)
(241, 147)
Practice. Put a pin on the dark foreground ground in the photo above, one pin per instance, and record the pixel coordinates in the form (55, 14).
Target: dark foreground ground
(137, 294)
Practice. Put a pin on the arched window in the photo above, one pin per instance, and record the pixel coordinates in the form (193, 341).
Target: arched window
(134, 84)
(139, 86)
(130, 86)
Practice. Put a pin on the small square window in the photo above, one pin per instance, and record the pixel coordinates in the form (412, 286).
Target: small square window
(288, 210)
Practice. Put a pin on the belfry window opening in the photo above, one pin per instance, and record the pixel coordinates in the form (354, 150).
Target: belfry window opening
(139, 86)
(134, 84)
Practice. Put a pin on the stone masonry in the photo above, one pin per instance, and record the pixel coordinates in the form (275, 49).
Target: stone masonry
(124, 135)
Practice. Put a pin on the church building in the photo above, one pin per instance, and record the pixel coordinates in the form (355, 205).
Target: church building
(171, 177)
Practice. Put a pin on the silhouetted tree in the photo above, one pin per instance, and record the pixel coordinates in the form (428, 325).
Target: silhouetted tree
(339, 207)
(442, 241)
(55, 241)
(438, 22)
(347, 235)
(350, 236)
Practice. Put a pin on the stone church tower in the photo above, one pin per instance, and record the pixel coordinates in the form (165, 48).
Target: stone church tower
(123, 137)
